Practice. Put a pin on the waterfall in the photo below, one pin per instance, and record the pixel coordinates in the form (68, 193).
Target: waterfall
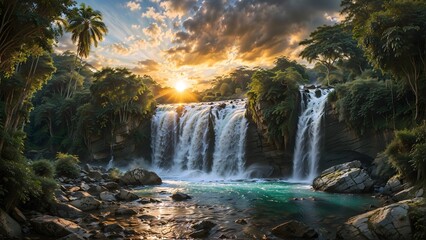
(200, 138)
(308, 136)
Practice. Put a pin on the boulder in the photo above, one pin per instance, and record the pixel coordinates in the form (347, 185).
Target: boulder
(55, 226)
(95, 174)
(139, 176)
(202, 229)
(180, 196)
(404, 194)
(393, 185)
(86, 203)
(294, 229)
(344, 178)
(390, 222)
(113, 227)
(125, 212)
(111, 186)
(127, 195)
(9, 228)
(80, 194)
(96, 190)
(107, 196)
(66, 211)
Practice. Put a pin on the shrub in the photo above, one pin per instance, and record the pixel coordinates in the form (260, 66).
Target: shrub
(407, 153)
(67, 165)
(43, 168)
(114, 173)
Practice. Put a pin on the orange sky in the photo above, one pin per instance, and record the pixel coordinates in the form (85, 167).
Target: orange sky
(194, 40)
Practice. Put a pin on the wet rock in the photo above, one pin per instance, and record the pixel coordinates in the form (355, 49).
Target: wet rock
(148, 200)
(202, 229)
(344, 178)
(113, 227)
(126, 195)
(390, 222)
(66, 211)
(139, 176)
(86, 203)
(9, 228)
(55, 226)
(107, 196)
(180, 196)
(125, 212)
(241, 221)
(294, 229)
(111, 186)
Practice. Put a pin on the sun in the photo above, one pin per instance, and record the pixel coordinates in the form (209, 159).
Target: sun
(180, 86)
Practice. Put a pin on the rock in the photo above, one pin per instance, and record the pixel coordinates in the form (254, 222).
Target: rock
(113, 227)
(202, 229)
(18, 216)
(127, 195)
(404, 194)
(107, 196)
(72, 236)
(294, 229)
(84, 186)
(390, 222)
(241, 221)
(111, 186)
(55, 226)
(95, 174)
(125, 212)
(344, 178)
(66, 211)
(60, 196)
(86, 203)
(381, 170)
(87, 167)
(139, 176)
(393, 185)
(9, 228)
(419, 193)
(74, 189)
(146, 217)
(80, 194)
(95, 190)
(180, 196)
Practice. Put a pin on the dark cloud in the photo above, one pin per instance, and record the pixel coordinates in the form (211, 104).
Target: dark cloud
(178, 8)
(146, 66)
(252, 28)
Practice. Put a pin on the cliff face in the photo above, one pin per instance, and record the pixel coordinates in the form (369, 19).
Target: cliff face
(340, 144)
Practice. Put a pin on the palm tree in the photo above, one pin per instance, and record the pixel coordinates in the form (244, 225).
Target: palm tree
(87, 29)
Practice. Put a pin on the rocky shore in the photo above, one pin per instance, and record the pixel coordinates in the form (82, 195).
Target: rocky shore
(99, 205)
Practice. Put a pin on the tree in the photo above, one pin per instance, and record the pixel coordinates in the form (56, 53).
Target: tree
(394, 40)
(87, 29)
(25, 24)
(327, 45)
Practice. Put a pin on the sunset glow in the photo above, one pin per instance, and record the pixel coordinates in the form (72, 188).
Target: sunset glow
(181, 86)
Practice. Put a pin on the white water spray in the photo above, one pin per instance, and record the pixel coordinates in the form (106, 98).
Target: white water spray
(200, 139)
(308, 136)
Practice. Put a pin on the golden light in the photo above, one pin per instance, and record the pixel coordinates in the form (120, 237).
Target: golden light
(180, 86)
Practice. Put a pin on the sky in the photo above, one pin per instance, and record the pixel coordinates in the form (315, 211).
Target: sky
(196, 40)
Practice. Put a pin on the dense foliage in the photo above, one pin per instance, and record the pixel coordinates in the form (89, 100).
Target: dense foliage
(368, 105)
(66, 165)
(272, 98)
(407, 153)
(43, 168)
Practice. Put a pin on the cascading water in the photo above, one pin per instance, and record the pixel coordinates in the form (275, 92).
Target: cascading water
(308, 136)
(200, 138)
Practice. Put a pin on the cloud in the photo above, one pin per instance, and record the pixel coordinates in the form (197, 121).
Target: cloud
(178, 8)
(119, 48)
(153, 32)
(135, 26)
(146, 66)
(251, 29)
(133, 5)
(151, 13)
